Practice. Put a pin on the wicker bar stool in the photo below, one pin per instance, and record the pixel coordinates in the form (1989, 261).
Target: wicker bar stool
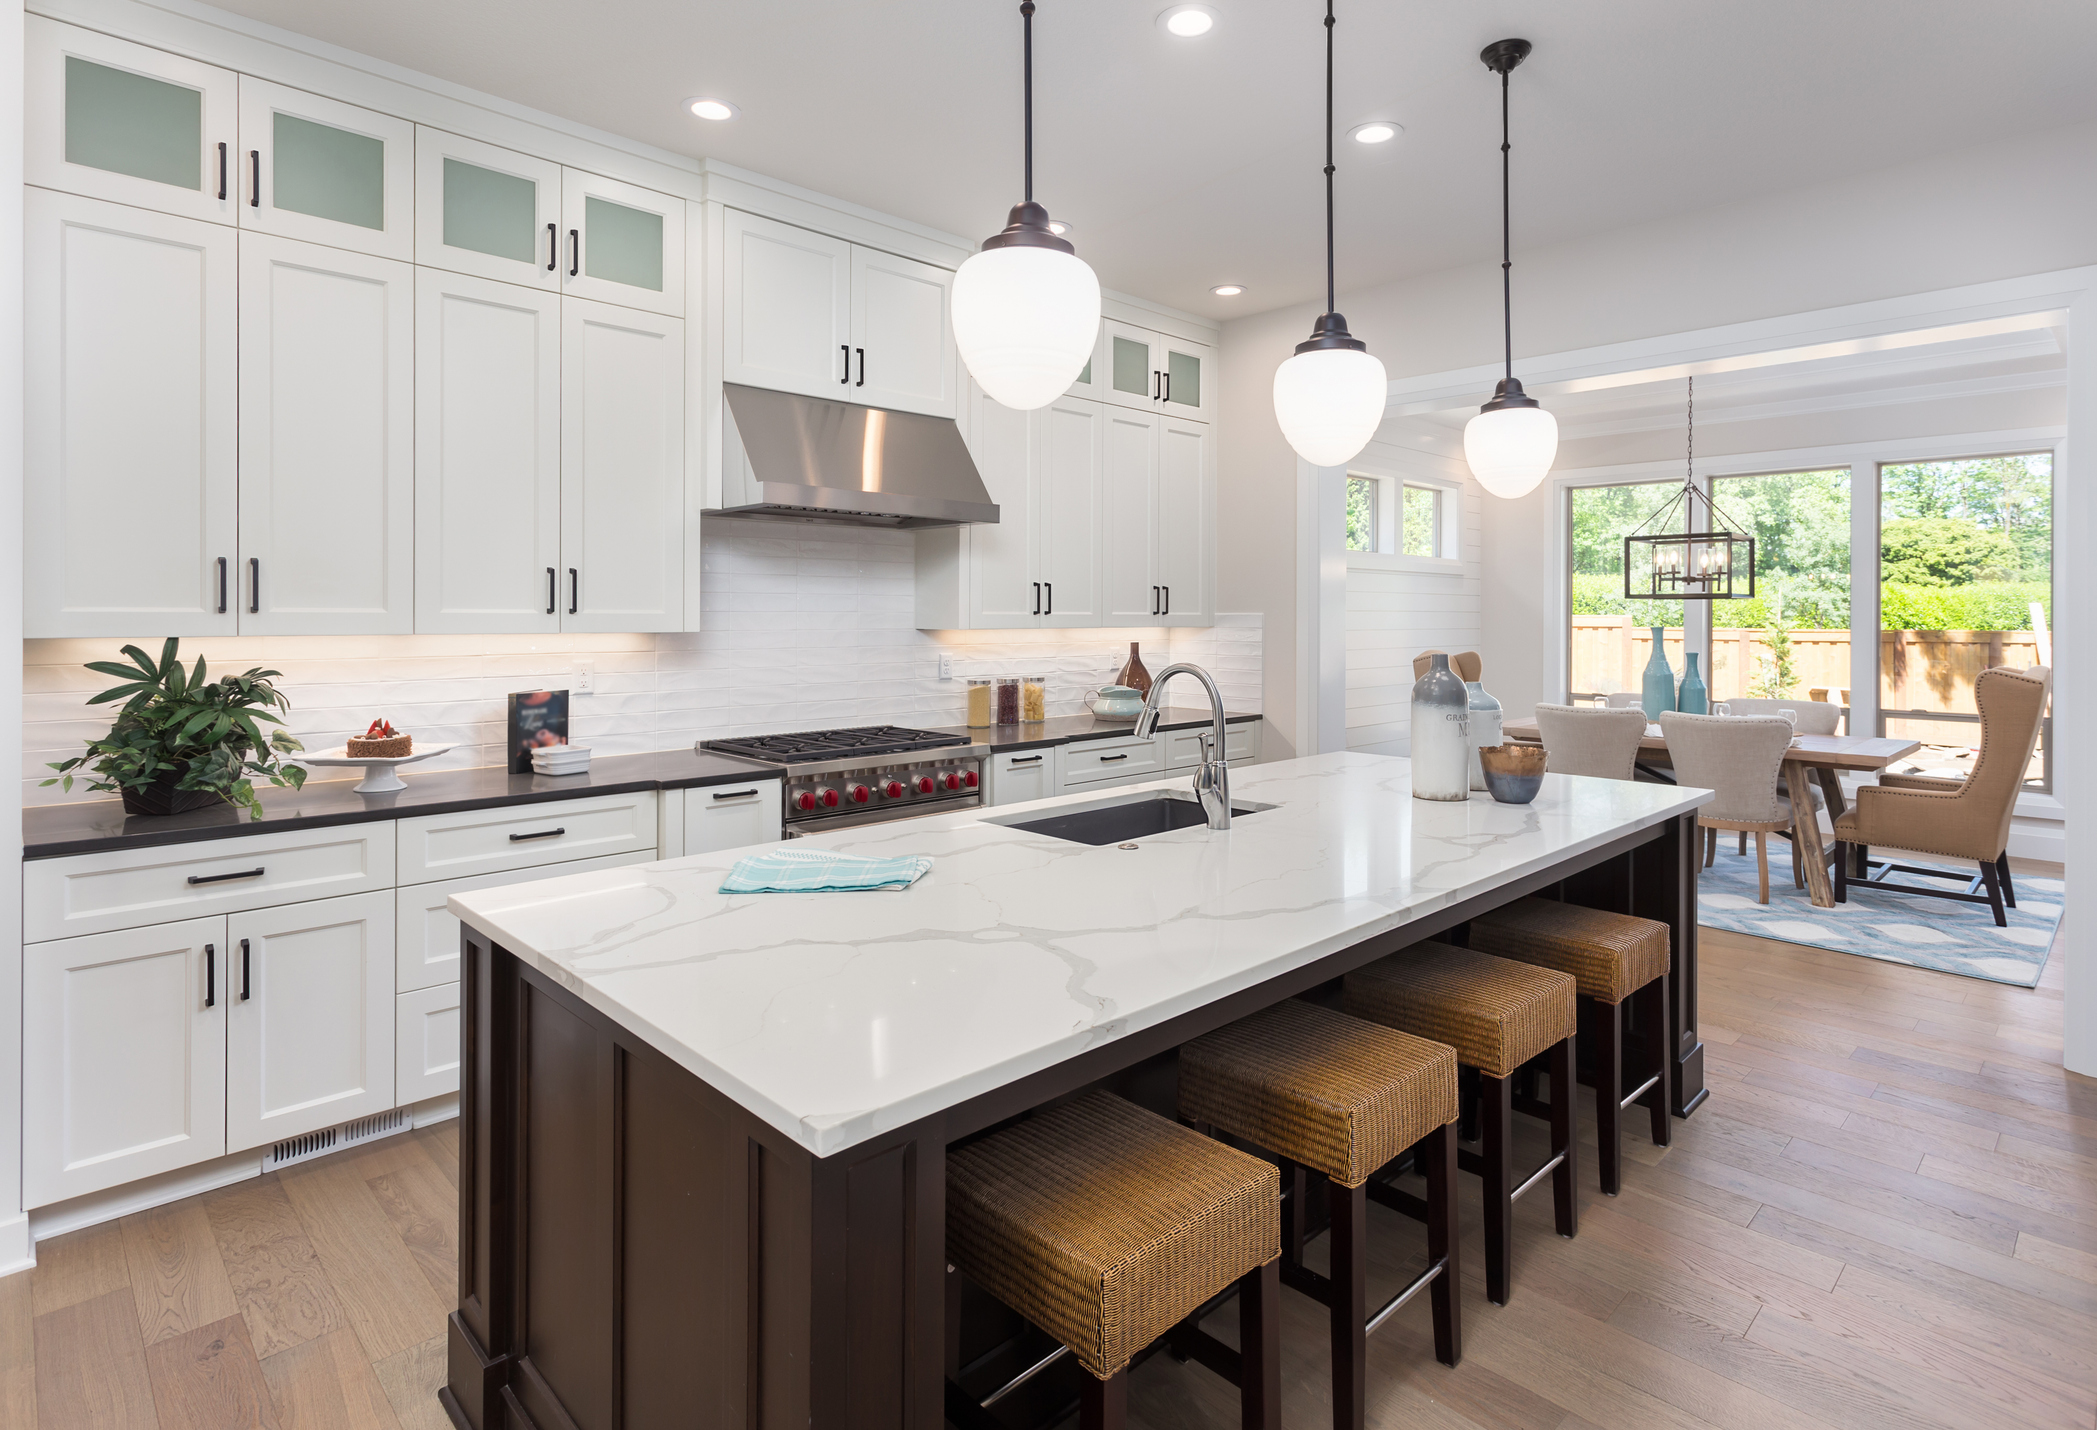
(1615, 960)
(1341, 1098)
(1497, 1014)
(1106, 1226)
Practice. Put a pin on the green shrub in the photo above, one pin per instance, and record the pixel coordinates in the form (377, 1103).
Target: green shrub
(1982, 606)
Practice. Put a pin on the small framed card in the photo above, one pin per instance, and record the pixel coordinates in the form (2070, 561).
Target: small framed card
(538, 718)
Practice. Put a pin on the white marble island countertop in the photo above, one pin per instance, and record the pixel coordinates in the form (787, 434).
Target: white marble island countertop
(834, 1017)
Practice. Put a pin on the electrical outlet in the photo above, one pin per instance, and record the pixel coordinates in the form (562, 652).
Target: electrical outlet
(585, 674)
(946, 667)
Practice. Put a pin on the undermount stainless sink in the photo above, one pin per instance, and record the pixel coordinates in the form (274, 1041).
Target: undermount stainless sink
(1121, 818)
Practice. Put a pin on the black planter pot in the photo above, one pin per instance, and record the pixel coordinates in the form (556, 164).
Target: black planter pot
(161, 797)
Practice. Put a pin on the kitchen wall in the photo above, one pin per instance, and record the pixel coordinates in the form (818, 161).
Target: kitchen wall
(806, 626)
(1395, 610)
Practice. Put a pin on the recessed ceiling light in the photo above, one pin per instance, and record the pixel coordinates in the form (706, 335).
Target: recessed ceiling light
(1228, 290)
(1059, 227)
(1376, 131)
(1187, 21)
(712, 108)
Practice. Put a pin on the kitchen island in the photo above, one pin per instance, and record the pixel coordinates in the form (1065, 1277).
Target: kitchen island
(704, 1137)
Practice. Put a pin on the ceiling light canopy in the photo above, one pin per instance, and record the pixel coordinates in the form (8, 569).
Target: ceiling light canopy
(1187, 21)
(1329, 398)
(1026, 308)
(715, 109)
(1228, 290)
(1376, 131)
(1512, 441)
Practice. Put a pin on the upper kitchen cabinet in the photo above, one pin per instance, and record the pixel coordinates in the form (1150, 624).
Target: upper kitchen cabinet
(326, 172)
(804, 312)
(490, 212)
(621, 244)
(1158, 529)
(1158, 372)
(132, 421)
(622, 469)
(327, 440)
(113, 120)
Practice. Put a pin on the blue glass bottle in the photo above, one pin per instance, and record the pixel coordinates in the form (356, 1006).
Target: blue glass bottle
(1694, 697)
(1659, 691)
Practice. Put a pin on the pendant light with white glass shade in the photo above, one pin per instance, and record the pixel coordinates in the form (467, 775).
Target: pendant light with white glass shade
(1512, 441)
(1026, 307)
(1329, 398)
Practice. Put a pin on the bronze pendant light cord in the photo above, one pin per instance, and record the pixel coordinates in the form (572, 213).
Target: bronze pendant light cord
(1506, 230)
(1026, 19)
(1330, 22)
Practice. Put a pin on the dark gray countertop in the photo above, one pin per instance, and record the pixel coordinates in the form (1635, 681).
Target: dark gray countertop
(58, 829)
(1062, 729)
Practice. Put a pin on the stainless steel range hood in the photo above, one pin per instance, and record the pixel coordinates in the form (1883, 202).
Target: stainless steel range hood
(795, 458)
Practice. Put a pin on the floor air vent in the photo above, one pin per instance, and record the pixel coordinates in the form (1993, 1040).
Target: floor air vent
(333, 1139)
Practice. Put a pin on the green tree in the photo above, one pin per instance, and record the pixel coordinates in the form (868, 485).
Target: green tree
(1944, 551)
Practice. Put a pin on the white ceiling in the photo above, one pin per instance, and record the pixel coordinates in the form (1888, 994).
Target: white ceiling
(1187, 163)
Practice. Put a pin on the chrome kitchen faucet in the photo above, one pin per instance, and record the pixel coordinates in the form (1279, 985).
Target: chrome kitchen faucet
(1212, 779)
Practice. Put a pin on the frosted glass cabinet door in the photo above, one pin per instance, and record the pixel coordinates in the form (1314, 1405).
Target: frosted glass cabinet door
(1186, 503)
(1187, 369)
(491, 212)
(327, 441)
(113, 120)
(622, 469)
(131, 422)
(309, 1016)
(1070, 454)
(1134, 375)
(487, 456)
(902, 334)
(326, 172)
(786, 319)
(1128, 515)
(123, 1056)
(621, 244)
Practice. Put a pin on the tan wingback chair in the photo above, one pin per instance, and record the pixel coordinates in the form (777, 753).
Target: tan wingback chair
(1465, 664)
(1589, 740)
(1959, 819)
(1738, 757)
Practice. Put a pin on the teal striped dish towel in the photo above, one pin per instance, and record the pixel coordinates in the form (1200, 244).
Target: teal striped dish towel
(821, 871)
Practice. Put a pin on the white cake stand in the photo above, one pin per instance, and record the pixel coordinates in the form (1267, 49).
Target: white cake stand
(379, 777)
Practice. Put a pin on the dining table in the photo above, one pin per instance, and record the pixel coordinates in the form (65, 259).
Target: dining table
(1811, 759)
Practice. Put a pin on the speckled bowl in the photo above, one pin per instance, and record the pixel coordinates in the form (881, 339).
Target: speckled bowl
(1513, 773)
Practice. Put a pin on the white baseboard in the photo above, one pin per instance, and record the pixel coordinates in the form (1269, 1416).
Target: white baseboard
(436, 1109)
(17, 1250)
(98, 1207)
(2039, 839)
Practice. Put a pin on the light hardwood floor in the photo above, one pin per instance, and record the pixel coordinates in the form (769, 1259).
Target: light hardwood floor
(1885, 1215)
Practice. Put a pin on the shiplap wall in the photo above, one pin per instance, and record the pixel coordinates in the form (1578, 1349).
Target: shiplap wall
(806, 626)
(1395, 611)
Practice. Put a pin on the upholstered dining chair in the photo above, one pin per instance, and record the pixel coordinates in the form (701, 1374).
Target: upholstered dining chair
(1737, 757)
(1624, 700)
(1465, 663)
(1589, 740)
(1959, 819)
(1815, 717)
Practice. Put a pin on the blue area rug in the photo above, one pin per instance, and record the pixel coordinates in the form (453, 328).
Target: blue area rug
(1894, 928)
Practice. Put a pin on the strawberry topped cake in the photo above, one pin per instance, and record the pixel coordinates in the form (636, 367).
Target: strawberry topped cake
(381, 742)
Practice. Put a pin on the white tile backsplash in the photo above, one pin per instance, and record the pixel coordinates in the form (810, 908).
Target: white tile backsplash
(805, 627)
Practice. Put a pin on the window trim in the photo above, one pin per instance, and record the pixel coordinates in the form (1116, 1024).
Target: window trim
(1395, 477)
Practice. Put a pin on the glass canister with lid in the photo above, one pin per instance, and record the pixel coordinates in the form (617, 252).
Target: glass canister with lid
(979, 702)
(1033, 699)
(1007, 700)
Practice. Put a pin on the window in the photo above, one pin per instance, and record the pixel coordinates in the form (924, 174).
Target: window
(1392, 517)
(1364, 513)
(1965, 583)
(1609, 638)
(1423, 521)
(1791, 640)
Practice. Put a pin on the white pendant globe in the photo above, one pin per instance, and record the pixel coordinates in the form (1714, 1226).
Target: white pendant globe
(1329, 403)
(1511, 448)
(1025, 319)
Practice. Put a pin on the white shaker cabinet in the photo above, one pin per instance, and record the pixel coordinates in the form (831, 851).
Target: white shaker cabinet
(1185, 522)
(310, 1012)
(1129, 592)
(1156, 372)
(1158, 535)
(487, 456)
(903, 355)
(327, 172)
(731, 816)
(786, 309)
(996, 582)
(327, 440)
(622, 469)
(487, 211)
(132, 420)
(112, 120)
(1070, 452)
(621, 243)
(123, 1056)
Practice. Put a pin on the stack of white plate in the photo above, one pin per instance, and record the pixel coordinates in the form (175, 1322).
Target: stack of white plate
(561, 760)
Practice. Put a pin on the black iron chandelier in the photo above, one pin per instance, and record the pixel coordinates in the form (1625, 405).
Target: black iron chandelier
(1715, 564)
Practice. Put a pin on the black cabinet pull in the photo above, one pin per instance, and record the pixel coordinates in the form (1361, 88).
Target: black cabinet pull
(1168, 602)
(862, 367)
(1050, 587)
(1154, 384)
(222, 195)
(211, 950)
(222, 585)
(1154, 600)
(1037, 598)
(244, 970)
(846, 349)
(737, 794)
(254, 585)
(574, 586)
(553, 247)
(542, 834)
(1110, 759)
(1026, 760)
(553, 590)
(574, 251)
(222, 878)
(255, 192)
(1168, 385)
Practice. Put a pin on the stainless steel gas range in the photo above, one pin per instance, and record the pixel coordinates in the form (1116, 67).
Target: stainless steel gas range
(866, 775)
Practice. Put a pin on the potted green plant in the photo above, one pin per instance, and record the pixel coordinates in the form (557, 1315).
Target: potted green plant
(180, 743)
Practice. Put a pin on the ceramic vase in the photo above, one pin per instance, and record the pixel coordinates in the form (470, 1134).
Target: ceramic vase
(1133, 675)
(1485, 728)
(1441, 731)
(1659, 693)
(1694, 697)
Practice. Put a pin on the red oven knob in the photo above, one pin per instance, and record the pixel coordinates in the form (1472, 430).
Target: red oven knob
(893, 789)
(805, 800)
(952, 780)
(827, 797)
(859, 794)
(925, 785)
(969, 778)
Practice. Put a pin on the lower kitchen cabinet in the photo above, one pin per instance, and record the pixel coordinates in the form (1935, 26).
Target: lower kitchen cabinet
(730, 816)
(309, 1017)
(426, 1043)
(426, 933)
(1021, 775)
(123, 1056)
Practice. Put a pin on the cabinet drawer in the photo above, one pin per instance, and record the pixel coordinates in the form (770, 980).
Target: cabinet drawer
(487, 841)
(1088, 761)
(426, 937)
(126, 888)
(1183, 747)
(1022, 775)
(730, 816)
(426, 1044)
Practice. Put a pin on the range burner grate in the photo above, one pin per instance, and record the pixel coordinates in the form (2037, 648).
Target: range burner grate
(833, 744)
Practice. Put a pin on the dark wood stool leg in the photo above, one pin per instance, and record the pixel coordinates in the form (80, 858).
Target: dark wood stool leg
(1652, 1016)
(1294, 1213)
(1438, 1151)
(953, 1324)
(1498, 1118)
(1259, 1341)
(1349, 1274)
(1609, 1093)
(1104, 1404)
(1565, 1191)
